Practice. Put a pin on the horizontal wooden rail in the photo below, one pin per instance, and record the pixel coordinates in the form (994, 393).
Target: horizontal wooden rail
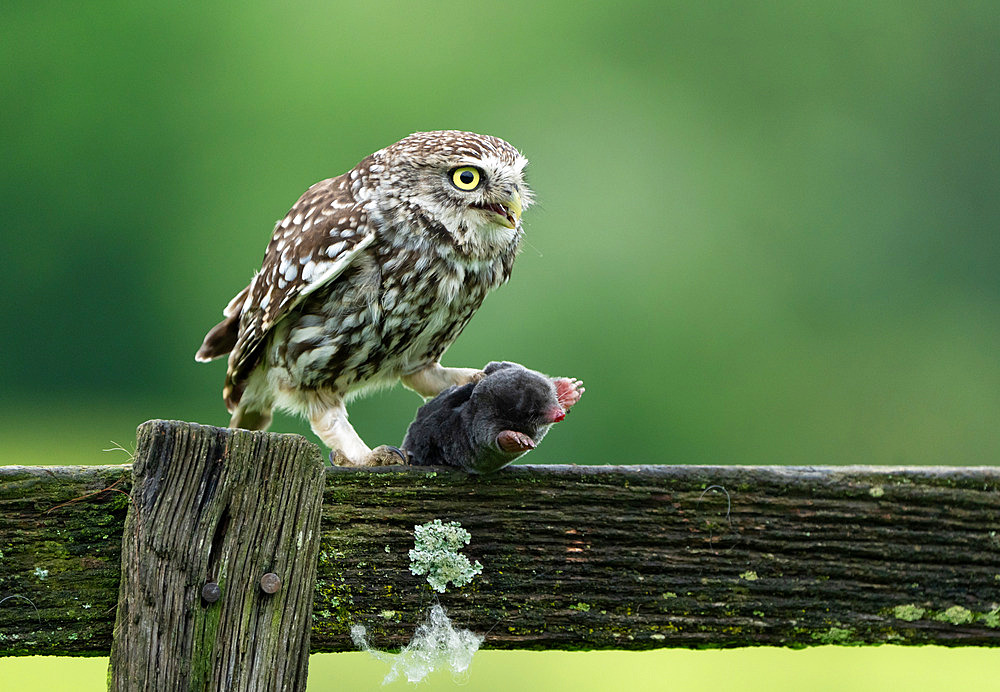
(624, 557)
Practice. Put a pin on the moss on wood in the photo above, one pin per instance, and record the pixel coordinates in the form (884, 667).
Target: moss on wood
(631, 557)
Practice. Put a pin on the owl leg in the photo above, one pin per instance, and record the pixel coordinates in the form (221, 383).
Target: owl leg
(435, 378)
(336, 432)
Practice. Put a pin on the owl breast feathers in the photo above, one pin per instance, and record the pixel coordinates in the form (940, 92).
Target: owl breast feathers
(369, 278)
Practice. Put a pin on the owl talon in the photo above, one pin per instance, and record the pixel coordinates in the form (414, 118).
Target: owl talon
(401, 453)
(338, 458)
(385, 455)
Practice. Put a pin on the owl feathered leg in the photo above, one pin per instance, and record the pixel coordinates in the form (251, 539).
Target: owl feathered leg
(337, 433)
(435, 378)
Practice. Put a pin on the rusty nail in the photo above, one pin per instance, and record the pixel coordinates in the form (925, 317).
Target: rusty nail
(211, 592)
(270, 583)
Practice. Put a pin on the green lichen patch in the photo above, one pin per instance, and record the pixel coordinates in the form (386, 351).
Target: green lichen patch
(582, 607)
(876, 491)
(956, 615)
(835, 635)
(435, 554)
(908, 612)
(333, 599)
(991, 618)
(749, 575)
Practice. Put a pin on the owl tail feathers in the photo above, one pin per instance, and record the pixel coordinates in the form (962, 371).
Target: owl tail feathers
(220, 340)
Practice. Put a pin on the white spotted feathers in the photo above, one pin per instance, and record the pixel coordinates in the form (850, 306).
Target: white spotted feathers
(371, 275)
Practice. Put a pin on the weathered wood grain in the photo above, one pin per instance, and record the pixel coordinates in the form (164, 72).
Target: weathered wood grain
(648, 556)
(628, 557)
(229, 509)
(60, 566)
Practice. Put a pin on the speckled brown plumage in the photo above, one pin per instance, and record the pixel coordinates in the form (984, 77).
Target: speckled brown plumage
(369, 278)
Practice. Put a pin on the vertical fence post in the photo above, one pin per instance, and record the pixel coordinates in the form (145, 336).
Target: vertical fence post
(218, 561)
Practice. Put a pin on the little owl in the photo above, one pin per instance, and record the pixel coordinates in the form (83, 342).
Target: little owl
(368, 279)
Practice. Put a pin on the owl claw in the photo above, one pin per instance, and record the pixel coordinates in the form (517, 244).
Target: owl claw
(401, 453)
(385, 455)
(338, 458)
(380, 456)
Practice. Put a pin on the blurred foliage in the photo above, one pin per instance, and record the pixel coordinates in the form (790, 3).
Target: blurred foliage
(767, 233)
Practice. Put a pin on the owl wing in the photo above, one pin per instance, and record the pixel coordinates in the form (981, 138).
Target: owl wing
(316, 241)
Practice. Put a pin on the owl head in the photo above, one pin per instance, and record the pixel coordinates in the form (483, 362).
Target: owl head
(471, 184)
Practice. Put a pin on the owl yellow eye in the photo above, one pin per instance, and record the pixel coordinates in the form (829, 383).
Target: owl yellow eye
(466, 178)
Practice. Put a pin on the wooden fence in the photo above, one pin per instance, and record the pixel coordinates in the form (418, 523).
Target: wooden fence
(574, 557)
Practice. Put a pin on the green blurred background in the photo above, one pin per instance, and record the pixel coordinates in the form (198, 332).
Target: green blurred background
(766, 232)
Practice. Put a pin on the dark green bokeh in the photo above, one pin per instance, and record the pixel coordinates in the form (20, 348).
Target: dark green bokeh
(766, 233)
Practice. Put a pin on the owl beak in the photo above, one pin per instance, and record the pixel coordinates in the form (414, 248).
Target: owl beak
(513, 208)
(506, 213)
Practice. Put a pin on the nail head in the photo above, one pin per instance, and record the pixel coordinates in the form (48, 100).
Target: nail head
(270, 583)
(211, 592)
